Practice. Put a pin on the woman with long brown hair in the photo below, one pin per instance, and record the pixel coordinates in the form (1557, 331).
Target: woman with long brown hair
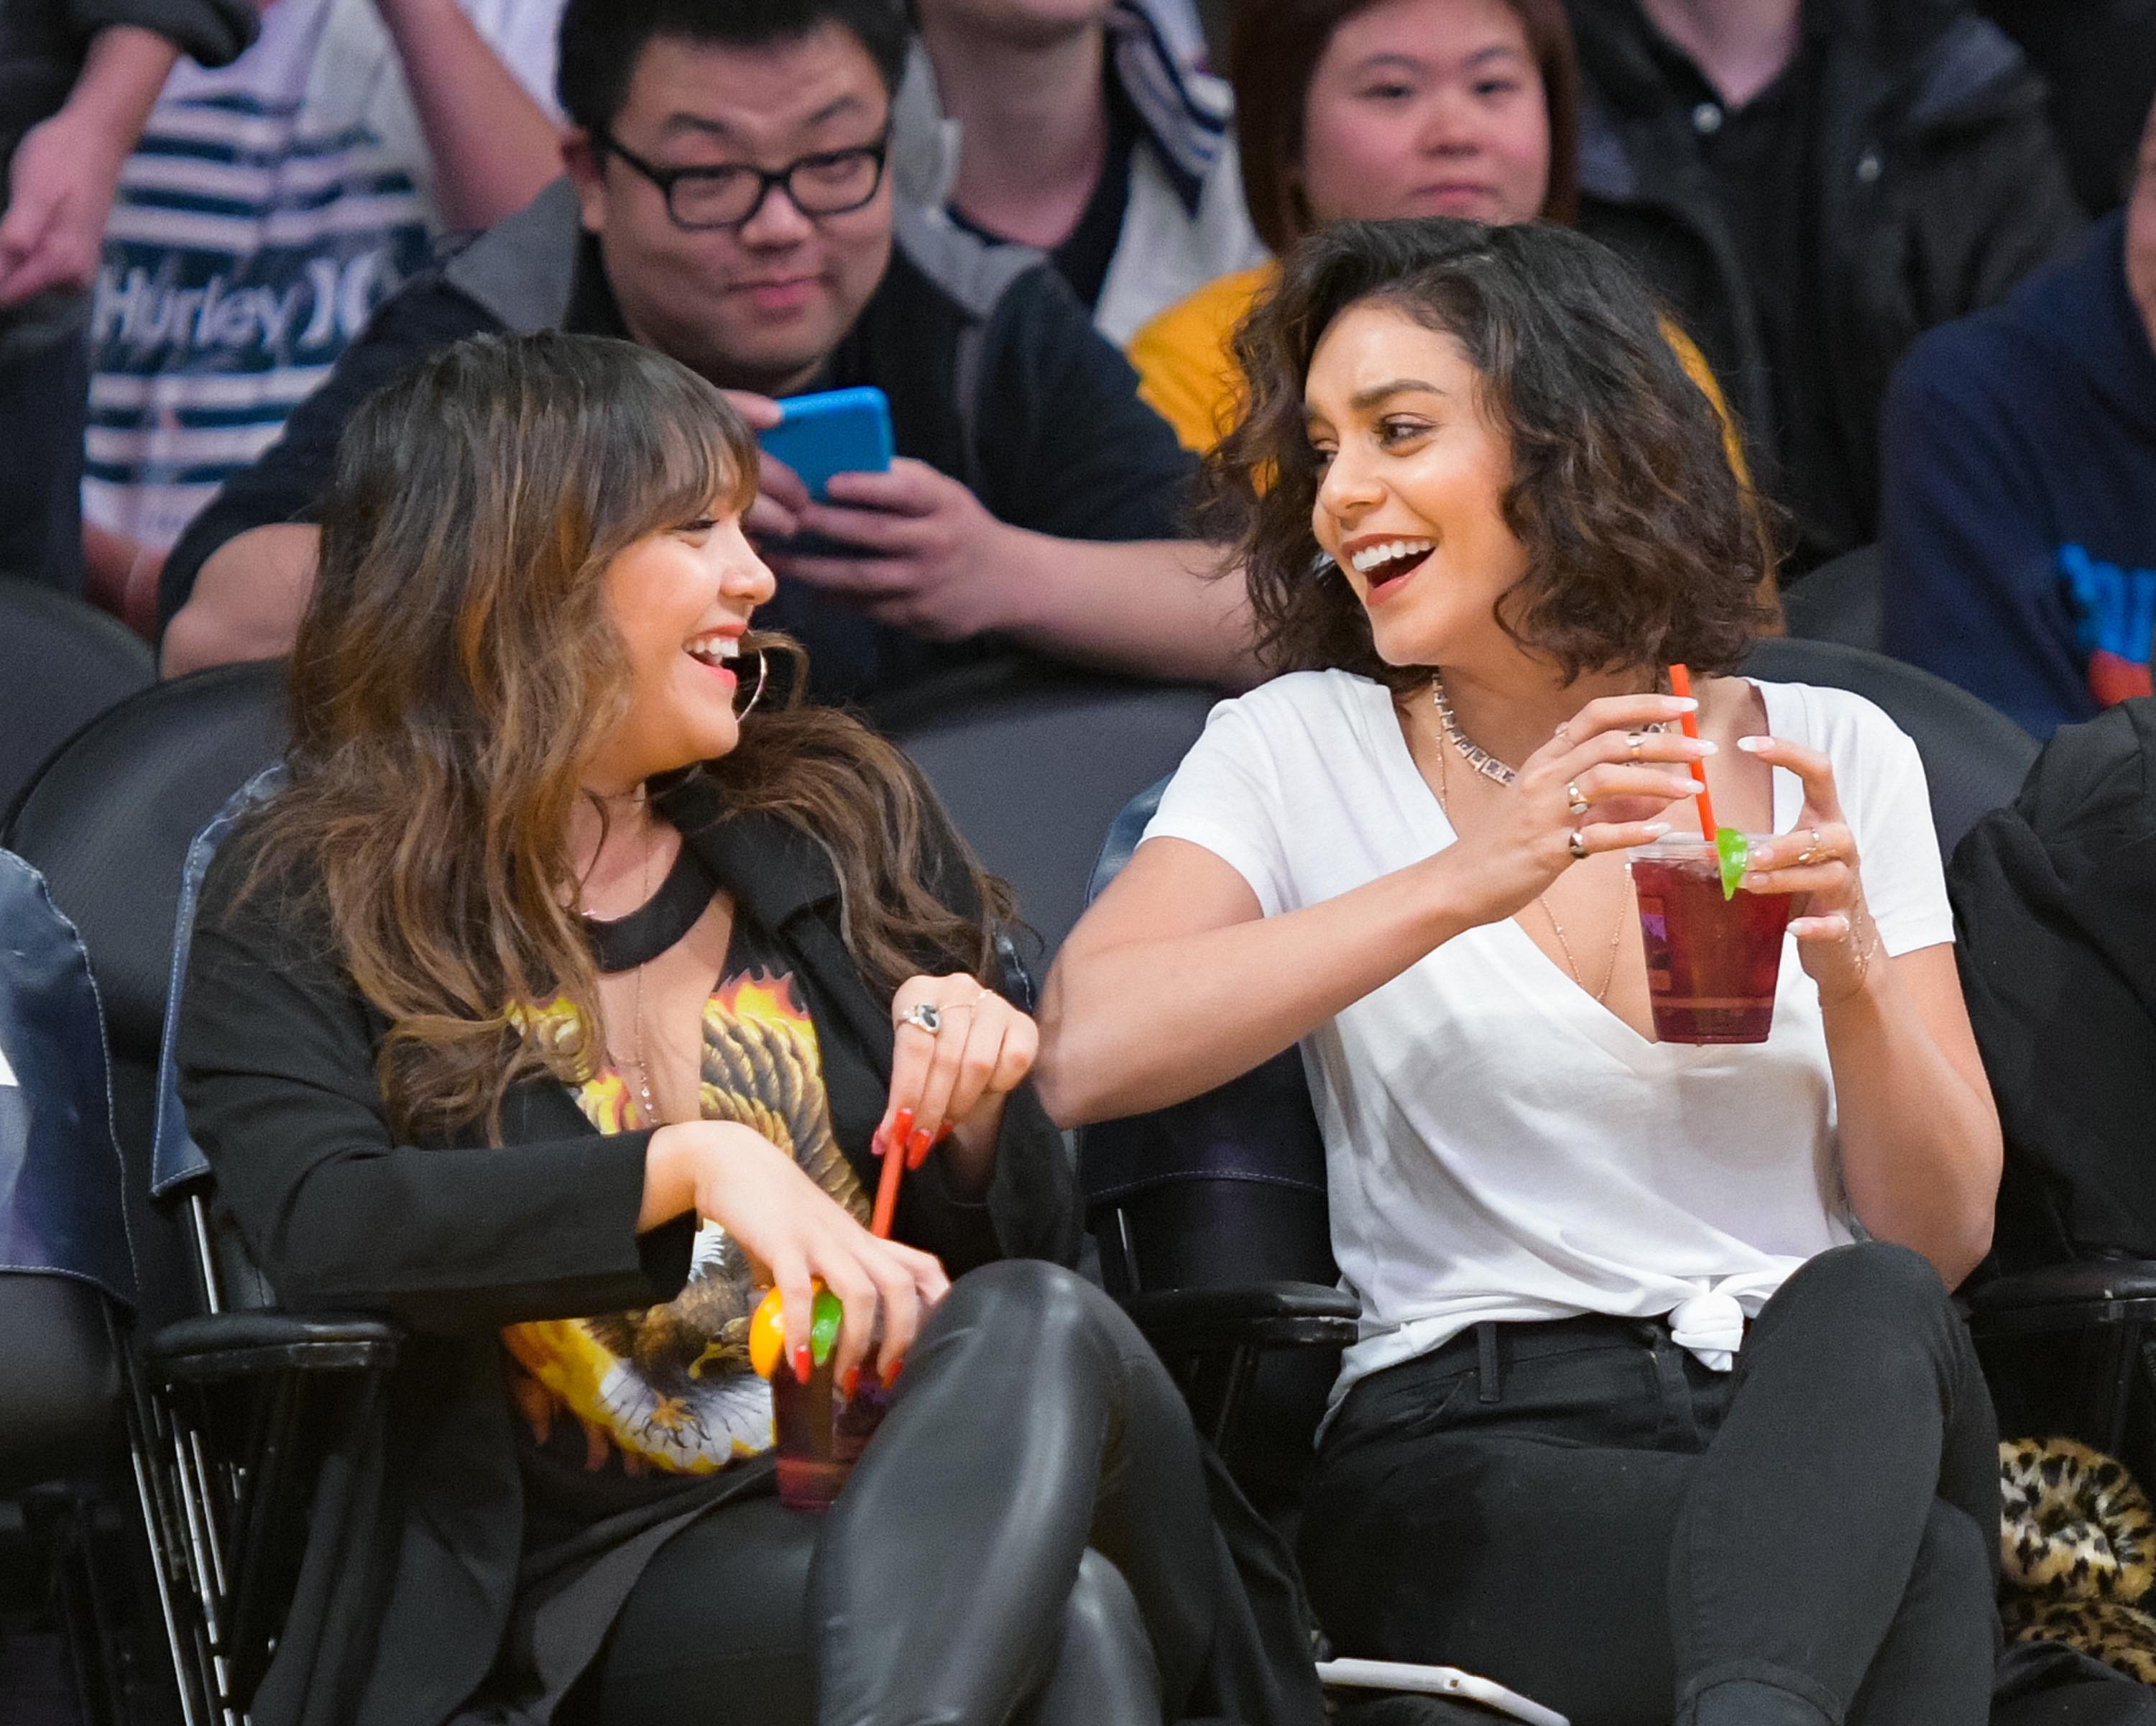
(1658, 1408)
(567, 995)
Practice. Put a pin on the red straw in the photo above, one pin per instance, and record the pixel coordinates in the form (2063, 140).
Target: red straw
(886, 1199)
(1680, 685)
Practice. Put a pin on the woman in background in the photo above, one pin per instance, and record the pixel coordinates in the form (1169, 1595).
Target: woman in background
(1369, 110)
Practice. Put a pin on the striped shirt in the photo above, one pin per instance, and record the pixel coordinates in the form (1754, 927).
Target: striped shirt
(271, 206)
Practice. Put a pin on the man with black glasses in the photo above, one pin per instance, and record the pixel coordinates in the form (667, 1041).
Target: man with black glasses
(727, 203)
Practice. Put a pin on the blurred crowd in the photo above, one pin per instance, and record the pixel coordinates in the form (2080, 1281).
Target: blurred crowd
(1907, 247)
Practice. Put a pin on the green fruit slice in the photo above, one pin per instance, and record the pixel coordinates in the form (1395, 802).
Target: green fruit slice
(824, 1323)
(1735, 850)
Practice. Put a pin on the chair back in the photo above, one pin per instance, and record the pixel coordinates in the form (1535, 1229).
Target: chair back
(1225, 1190)
(62, 663)
(1974, 757)
(1033, 762)
(1841, 601)
(65, 1263)
(110, 821)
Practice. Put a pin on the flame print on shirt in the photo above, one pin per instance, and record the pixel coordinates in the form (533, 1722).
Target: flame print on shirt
(669, 1387)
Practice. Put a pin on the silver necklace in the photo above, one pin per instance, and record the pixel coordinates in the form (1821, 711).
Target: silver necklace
(1476, 757)
(1486, 765)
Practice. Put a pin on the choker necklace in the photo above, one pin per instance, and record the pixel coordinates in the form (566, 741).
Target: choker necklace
(1475, 756)
(625, 942)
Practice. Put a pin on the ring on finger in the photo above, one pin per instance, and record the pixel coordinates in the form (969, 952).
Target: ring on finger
(1810, 852)
(1633, 743)
(924, 1016)
(1576, 843)
(1576, 803)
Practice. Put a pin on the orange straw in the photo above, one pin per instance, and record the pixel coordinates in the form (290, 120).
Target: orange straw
(1680, 685)
(886, 1199)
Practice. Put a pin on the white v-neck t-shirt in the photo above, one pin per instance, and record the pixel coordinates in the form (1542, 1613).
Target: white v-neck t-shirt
(1500, 1146)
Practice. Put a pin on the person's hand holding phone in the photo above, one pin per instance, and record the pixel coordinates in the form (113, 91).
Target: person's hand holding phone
(775, 512)
(932, 559)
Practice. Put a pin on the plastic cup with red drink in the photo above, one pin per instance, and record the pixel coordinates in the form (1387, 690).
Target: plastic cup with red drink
(818, 1430)
(1714, 957)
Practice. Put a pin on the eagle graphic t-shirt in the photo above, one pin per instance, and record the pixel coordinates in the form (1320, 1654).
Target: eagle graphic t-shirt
(619, 1408)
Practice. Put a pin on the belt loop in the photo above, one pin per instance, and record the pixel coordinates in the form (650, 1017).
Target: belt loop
(1489, 1386)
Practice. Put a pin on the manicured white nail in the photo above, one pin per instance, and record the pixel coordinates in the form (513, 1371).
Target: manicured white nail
(1753, 745)
(1707, 745)
(1685, 704)
(1656, 830)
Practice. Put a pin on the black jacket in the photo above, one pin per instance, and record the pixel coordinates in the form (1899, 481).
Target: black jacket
(1938, 186)
(456, 1240)
(42, 42)
(2055, 910)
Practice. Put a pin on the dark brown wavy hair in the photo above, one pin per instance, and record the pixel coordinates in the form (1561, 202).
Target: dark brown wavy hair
(1643, 545)
(1274, 47)
(457, 667)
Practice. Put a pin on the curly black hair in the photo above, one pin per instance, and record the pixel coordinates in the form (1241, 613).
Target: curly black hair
(1643, 547)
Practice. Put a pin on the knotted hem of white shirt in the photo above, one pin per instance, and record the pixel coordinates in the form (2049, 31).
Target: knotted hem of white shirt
(1709, 1325)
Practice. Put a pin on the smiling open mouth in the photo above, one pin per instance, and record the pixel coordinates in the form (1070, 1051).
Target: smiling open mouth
(714, 649)
(1394, 560)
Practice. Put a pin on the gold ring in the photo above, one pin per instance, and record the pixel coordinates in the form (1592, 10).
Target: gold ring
(1578, 803)
(1810, 852)
(1576, 843)
(1632, 744)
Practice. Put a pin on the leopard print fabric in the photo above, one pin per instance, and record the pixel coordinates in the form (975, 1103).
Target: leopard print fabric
(2077, 1553)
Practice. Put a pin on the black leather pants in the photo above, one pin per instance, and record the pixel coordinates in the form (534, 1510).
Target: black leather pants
(1028, 1538)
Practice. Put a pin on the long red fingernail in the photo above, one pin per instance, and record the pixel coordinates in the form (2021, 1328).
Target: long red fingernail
(942, 1133)
(902, 1127)
(916, 1147)
(803, 1364)
(850, 1383)
(890, 1374)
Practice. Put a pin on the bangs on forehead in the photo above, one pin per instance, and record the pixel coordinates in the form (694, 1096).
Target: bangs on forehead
(687, 460)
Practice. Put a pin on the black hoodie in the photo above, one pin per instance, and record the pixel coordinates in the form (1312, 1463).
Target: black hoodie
(1935, 186)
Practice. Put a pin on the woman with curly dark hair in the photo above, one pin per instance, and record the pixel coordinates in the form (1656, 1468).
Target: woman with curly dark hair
(575, 989)
(1659, 1404)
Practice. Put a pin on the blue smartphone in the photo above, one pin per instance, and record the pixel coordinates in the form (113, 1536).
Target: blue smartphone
(834, 431)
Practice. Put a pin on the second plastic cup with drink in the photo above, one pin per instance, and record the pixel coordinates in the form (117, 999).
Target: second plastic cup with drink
(1714, 958)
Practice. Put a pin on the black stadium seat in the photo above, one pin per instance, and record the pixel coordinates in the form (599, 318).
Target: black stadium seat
(62, 663)
(108, 822)
(1974, 756)
(1034, 762)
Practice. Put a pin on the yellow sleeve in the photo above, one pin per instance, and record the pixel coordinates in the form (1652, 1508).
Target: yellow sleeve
(1697, 369)
(1703, 374)
(1186, 373)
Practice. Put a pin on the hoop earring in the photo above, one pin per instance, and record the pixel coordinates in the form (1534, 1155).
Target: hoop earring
(756, 695)
(1322, 566)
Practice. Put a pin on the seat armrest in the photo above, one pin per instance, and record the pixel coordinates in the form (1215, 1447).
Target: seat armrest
(1264, 1315)
(221, 1347)
(2080, 1282)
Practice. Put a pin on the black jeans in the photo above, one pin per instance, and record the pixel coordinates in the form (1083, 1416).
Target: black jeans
(1606, 1526)
(1027, 1538)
